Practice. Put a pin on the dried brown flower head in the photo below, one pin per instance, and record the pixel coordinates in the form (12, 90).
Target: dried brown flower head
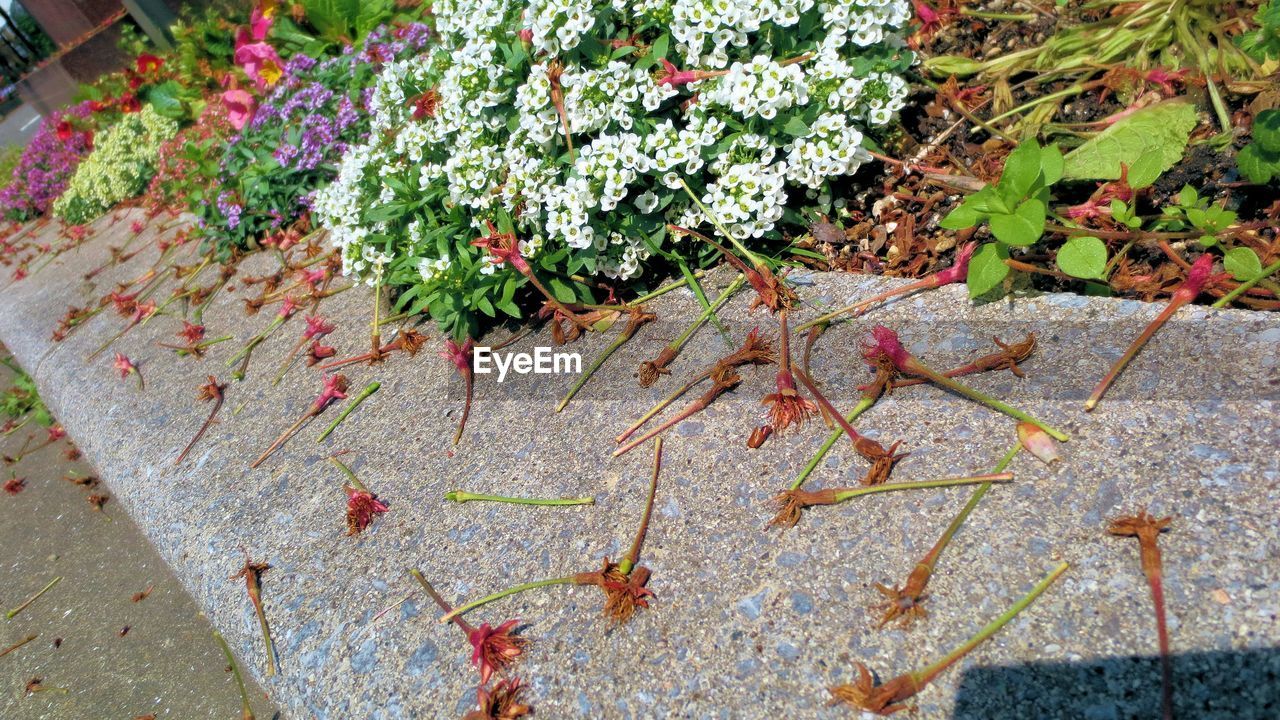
(501, 702)
(864, 694)
(791, 505)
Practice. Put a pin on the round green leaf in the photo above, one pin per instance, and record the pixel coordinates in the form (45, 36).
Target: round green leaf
(1242, 263)
(1266, 130)
(1084, 258)
(1252, 161)
(1021, 228)
(987, 269)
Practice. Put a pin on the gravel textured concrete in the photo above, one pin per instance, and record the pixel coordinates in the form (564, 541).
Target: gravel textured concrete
(117, 657)
(748, 622)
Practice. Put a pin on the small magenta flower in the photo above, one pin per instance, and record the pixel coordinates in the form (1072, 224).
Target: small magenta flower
(319, 353)
(287, 307)
(673, 76)
(56, 433)
(191, 332)
(126, 367)
(136, 227)
(335, 388)
(317, 327)
(240, 107)
(494, 648)
(362, 507)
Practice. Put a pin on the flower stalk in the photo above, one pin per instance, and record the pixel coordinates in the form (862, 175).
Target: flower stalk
(335, 388)
(958, 272)
(906, 602)
(888, 698)
(493, 649)
(368, 390)
(212, 390)
(252, 574)
(887, 343)
(28, 602)
(246, 710)
(1200, 275)
(623, 583)
(651, 370)
(460, 356)
(1147, 529)
(461, 496)
(637, 317)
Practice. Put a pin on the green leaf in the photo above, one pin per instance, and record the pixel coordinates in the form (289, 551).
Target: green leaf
(1266, 130)
(987, 269)
(165, 99)
(1021, 228)
(1242, 263)
(562, 290)
(1051, 164)
(944, 65)
(963, 216)
(795, 127)
(1084, 258)
(1255, 164)
(1021, 169)
(1160, 130)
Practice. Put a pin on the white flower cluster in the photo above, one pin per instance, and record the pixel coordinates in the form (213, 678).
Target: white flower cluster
(471, 133)
(761, 87)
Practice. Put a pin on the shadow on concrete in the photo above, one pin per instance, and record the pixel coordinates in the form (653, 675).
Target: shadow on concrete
(1240, 685)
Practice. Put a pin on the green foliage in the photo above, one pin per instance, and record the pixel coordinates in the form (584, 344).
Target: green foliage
(1242, 263)
(22, 399)
(1263, 42)
(1260, 160)
(1191, 211)
(346, 21)
(1148, 142)
(1084, 258)
(1015, 207)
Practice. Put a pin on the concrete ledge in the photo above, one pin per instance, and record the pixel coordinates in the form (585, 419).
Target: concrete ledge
(747, 623)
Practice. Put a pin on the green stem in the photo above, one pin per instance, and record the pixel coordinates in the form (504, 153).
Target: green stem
(924, 676)
(864, 303)
(346, 470)
(755, 261)
(985, 399)
(246, 711)
(633, 555)
(12, 613)
(923, 485)
(461, 496)
(256, 340)
(1244, 286)
(567, 580)
(863, 405)
(368, 390)
(667, 288)
(985, 15)
(710, 310)
(931, 559)
(618, 342)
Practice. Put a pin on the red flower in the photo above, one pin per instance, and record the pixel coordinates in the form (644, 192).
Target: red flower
(888, 344)
(142, 311)
(503, 248)
(424, 106)
(288, 307)
(15, 485)
(191, 333)
(319, 352)
(1165, 79)
(959, 270)
(362, 507)
(56, 433)
(65, 131)
(335, 388)
(670, 75)
(459, 355)
(494, 648)
(124, 365)
(129, 103)
(137, 227)
(148, 63)
(317, 327)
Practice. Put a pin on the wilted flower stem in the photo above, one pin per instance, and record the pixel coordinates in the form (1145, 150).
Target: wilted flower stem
(850, 493)
(368, 390)
(888, 343)
(246, 711)
(252, 575)
(1147, 529)
(887, 698)
(335, 388)
(27, 603)
(723, 379)
(622, 569)
(638, 317)
(651, 370)
(863, 405)
(1199, 276)
(461, 496)
(905, 601)
(213, 390)
(737, 244)
(958, 272)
